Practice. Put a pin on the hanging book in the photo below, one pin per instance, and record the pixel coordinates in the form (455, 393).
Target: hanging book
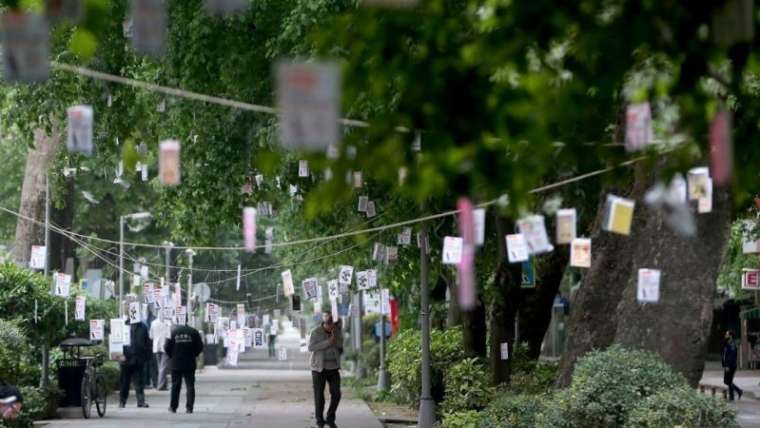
(391, 255)
(295, 303)
(62, 284)
(452, 250)
(648, 290)
(580, 253)
(372, 278)
(303, 169)
(26, 40)
(79, 139)
(345, 275)
(363, 202)
(79, 308)
(371, 209)
(566, 225)
(750, 241)
(638, 126)
(358, 179)
(308, 98)
(249, 228)
(362, 280)
(479, 216)
(533, 229)
(517, 248)
(37, 258)
(705, 203)
(333, 290)
(134, 313)
(96, 330)
(405, 237)
(310, 288)
(378, 252)
(697, 181)
(618, 215)
(169, 162)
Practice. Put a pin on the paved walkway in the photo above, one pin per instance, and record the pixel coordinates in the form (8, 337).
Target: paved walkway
(748, 408)
(258, 393)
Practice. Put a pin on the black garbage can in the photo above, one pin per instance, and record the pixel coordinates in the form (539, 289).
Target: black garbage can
(70, 374)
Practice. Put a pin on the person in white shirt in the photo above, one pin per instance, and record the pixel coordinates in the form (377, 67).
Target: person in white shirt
(160, 330)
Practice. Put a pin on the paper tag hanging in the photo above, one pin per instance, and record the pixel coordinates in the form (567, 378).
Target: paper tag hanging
(466, 266)
(417, 143)
(310, 288)
(517, 248)
(452, 250)
(405, 237)
(169, 162)
(268, 243)
(638, 126)
(705, 203)
(362, 280)
(385, 301)
(566, 225)
(282, 354)
(26, 40)
(363, 201)
(618, 215)
(372, 278)
(308, 98)
(62, 284)
(371, 209)
(148, 27)
(303, 169)
(79, 308)
(391, 255)
(504, 351)
(721, 147)
(345, 275)
(134, 313)
(750, 241)
(580, 253)
(287, 283)
(697, 182)
(534, 230)
(96, 330)
(79, 138)
(479, 216)
(37, 258)
(378, 252)
(358, 180)
(648, 290)
(333, 290)
(249, 228)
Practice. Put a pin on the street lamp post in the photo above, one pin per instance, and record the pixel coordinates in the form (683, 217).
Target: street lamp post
(122, 221)
(426, 416)
(190, 253)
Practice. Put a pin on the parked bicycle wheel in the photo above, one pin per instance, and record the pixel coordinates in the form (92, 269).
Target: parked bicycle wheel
(101, 394)
(86, 392)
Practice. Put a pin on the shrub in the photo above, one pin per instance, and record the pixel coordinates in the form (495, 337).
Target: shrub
(110, 371)
(681, 407)
(538, 380)
(608, 385)
(521, 411)
(463, 419)
(370, 355)
(404, 361)
(467, 387)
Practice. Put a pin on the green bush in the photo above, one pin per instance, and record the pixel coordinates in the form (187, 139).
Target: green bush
(682, 407)
(369, 358)
(538, 380)
(110, 371)
(608, 385)
(463, 419)
(404, 361)
(522, 411)
(467, 387)
(14, 347)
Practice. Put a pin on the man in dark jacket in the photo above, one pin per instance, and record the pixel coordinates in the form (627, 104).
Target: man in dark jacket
(183, 347)
(728, 359)
(135, 355)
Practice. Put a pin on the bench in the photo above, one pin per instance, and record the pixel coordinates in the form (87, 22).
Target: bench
(713, 389)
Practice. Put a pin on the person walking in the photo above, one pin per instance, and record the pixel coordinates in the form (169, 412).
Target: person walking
(133, 362)
(183, 347)
(728, 360)
(160, 329)
(326, 347)
(272, 338)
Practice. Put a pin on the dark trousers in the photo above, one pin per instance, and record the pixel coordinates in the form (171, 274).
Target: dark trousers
(129, 373)
(177, 376)
(319, 379)
(270, 344)
(728, 379)
(152, 372)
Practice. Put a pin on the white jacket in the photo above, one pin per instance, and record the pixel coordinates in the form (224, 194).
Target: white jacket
(159, 332)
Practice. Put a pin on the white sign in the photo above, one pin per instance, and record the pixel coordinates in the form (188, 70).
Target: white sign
(79, 308)
(580, 253)
(332, 289)
(287, 283)
(385, 301)
(362, 280)
(134, 313)
(405, 237)
(282, 354)
(303, 168)
(638, 126)
(308, 97)
(62, 284)
(96, 329)
(310, 288)
(566, 225)
(534, 231)
(371, 211)
(169, 171)
(505, 351)
(750, 242)
(37, 259)
(79, 138)
(517, 248)
(452, 250)
(259, 341)
(117, 330)
(648, 290)
(479, 217)
(346, 275)
(363, 201)
(372, 278)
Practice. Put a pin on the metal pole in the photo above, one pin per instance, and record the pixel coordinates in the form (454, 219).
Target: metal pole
(383, 381)
(168, 258)
(44, 374)
(121, 266)
(190, 254)
(426, 416)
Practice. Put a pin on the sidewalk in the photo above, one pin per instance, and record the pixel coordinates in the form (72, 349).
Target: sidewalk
(748, 408)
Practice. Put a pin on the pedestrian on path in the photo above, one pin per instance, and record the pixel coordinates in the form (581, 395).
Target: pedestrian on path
(183, 347)
(133, 362)
(326, 347)
(271, 331)
(728, 359)
(160, 330)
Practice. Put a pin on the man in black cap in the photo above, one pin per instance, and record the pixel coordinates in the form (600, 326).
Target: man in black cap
(133, 362)
(183, 347)
(11, 401)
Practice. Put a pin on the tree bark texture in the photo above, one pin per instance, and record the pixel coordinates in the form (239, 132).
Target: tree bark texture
(605, 310)
(32, 204)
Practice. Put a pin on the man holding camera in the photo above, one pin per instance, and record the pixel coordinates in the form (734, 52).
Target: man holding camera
(326, 347)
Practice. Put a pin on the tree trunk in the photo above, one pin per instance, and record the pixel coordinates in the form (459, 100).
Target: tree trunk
(61, 247)
(475, 331)
(32, 203)
(453, 315)
(536, 308)
(605, 309)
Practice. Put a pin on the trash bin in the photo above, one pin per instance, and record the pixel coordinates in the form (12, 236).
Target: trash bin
(210, 356)
(70, 374)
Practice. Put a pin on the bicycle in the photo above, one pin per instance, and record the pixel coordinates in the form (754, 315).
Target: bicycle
(92, 387)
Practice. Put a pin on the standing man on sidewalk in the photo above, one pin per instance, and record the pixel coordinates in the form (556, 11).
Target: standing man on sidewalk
(326, 347)
(183, 347)
(133, 362)
(728, 359)
(160, 329)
